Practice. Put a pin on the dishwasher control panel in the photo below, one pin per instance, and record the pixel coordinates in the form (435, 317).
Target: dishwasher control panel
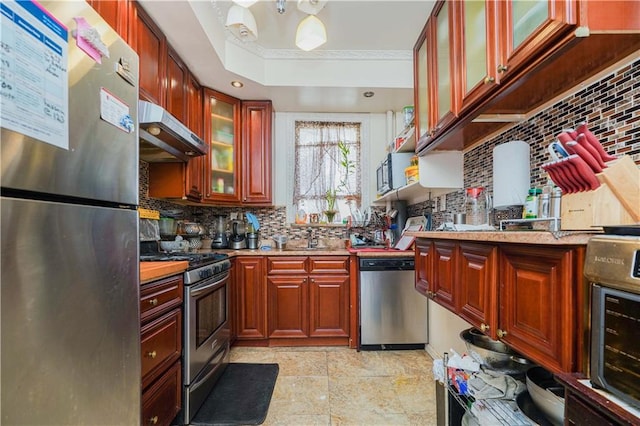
(387, 264)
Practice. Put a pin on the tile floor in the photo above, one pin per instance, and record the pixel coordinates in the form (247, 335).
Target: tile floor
(340, 386)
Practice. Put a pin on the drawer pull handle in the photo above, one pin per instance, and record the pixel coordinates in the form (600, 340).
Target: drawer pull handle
(502, 68)
(153, 420)
(151, 355)
(502, 333)
(489, 80)
(153, 302)
(484, 327)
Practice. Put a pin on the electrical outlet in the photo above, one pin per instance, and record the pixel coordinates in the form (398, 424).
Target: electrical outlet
(233, 215)
(442, 203)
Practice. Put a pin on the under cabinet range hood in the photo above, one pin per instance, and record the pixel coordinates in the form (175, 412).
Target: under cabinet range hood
(165, 139)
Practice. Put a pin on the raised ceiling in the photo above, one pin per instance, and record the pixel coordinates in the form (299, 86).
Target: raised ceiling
(369, 48)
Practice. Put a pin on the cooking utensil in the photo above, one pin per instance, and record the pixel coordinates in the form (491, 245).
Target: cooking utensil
(493, 353)
(582, 169)
(582, 140)
(582, 128)
(547, 394)
(576, 148)
(167, 226)
(529, 409)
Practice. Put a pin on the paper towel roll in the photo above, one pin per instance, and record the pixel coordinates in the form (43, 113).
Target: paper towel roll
(511, 174)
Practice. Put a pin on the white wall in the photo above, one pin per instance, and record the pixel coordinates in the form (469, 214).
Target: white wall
(373, 143)
(444, 331)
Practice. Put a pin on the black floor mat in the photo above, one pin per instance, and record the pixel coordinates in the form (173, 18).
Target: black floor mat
(241, 396)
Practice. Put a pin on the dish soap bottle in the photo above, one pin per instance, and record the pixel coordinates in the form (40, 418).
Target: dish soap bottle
(531, 204)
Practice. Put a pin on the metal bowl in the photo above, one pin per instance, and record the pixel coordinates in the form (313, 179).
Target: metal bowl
(547, 394)
(493, 353)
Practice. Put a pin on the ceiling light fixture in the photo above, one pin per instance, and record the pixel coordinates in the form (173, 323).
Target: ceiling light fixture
(280, 6)
(311, 33)
(241, 23)
(245, 3)
(311, 7)
(237, 84)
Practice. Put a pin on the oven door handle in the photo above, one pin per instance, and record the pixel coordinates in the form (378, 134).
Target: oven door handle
(199, 289)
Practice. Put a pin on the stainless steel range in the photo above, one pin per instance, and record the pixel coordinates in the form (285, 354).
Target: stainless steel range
(206, 333)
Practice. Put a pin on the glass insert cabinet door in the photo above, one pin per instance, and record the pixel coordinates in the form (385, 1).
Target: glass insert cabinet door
(224, 143)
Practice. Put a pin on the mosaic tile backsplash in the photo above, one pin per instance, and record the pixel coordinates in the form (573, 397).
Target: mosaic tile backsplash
(611, 106)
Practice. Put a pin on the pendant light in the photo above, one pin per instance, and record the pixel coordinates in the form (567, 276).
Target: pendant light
(241, 23)
(245, 3)
(311, 33)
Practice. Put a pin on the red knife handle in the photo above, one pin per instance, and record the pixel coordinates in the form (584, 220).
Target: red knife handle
(565, 177)
(586, 156)
(585, 172)
(572, 174)
(582, 141)
(555, 177)
(571, 132)
(565, 137)
(591, 138)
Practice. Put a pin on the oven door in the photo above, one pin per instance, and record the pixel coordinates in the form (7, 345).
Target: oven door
(615, 347)
(206, 323)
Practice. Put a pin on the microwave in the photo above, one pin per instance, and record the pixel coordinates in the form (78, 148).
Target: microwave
(390, 174)
(612, 265)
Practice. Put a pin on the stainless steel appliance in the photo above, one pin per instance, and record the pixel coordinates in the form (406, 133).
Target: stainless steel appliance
(612, 265)
(392, 314)
(70, 317)
(390, 172)
(207, 332)
(163, 138)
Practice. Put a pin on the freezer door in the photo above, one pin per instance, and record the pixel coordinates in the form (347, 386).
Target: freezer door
(101, 160)
(70, 314)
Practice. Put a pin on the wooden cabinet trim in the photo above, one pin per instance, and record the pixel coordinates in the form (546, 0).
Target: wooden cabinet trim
(160, 296)
(287, 265)
(329, 264)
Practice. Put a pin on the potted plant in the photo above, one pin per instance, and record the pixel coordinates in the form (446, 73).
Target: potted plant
(331, 211)
(343, 185)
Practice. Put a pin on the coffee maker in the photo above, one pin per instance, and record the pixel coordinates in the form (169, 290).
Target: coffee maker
(237, 240)
(219, 237)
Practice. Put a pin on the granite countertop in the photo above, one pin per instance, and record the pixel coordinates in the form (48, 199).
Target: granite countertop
(313, 252)
(518, 237)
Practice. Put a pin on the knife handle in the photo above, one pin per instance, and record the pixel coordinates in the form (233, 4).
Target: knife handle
(582, 128)
(582, 141)
(585, 172)
(565, 177)
(549, 168)
(585, 155)
(564, 137)
(573, 174)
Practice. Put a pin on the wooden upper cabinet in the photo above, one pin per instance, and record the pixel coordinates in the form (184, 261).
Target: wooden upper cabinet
(538, 288)
(195, 167)
(529, 27)
(177, 75)
(115, 13)
(444, 57)
(421, 87)
(256, 152)
(223, 163)
(478, 278)
(150, 43)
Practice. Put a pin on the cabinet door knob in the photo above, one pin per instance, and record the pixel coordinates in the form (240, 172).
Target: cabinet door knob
(489, 80)
(153, 302)
(313, 280)
(484, 327)
(502, 68)
(153, 420)
(151, 355)
(501, 333)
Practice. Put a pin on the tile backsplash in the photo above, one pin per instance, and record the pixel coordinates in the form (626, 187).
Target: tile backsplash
(611, 106)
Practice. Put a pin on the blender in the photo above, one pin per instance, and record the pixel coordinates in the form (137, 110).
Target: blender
(219, 238)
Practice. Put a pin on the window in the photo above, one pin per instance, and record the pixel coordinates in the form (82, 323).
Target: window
(321, 150)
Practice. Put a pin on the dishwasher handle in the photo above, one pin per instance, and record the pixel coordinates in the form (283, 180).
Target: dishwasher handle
(387, 264)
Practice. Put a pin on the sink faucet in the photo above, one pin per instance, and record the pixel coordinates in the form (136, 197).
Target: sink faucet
(310, 242)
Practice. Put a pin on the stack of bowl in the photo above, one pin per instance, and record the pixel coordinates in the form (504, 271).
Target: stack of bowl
(493, 354)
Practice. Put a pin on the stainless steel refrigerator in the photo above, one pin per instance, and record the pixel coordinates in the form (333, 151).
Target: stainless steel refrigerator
(70, 274)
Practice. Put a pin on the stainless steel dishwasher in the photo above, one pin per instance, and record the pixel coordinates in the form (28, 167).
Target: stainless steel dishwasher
(393, 315)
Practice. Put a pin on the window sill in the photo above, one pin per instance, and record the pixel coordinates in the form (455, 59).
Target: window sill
(318, 225)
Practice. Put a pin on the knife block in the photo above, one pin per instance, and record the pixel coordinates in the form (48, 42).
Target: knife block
(615, 202)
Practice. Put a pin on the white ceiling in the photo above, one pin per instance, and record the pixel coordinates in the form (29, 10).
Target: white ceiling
(369, 48)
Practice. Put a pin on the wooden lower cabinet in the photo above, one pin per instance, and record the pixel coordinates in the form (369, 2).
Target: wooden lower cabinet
(524, 295)
(288, 306)
(161, 349)
(251, 298)
(538, 310)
